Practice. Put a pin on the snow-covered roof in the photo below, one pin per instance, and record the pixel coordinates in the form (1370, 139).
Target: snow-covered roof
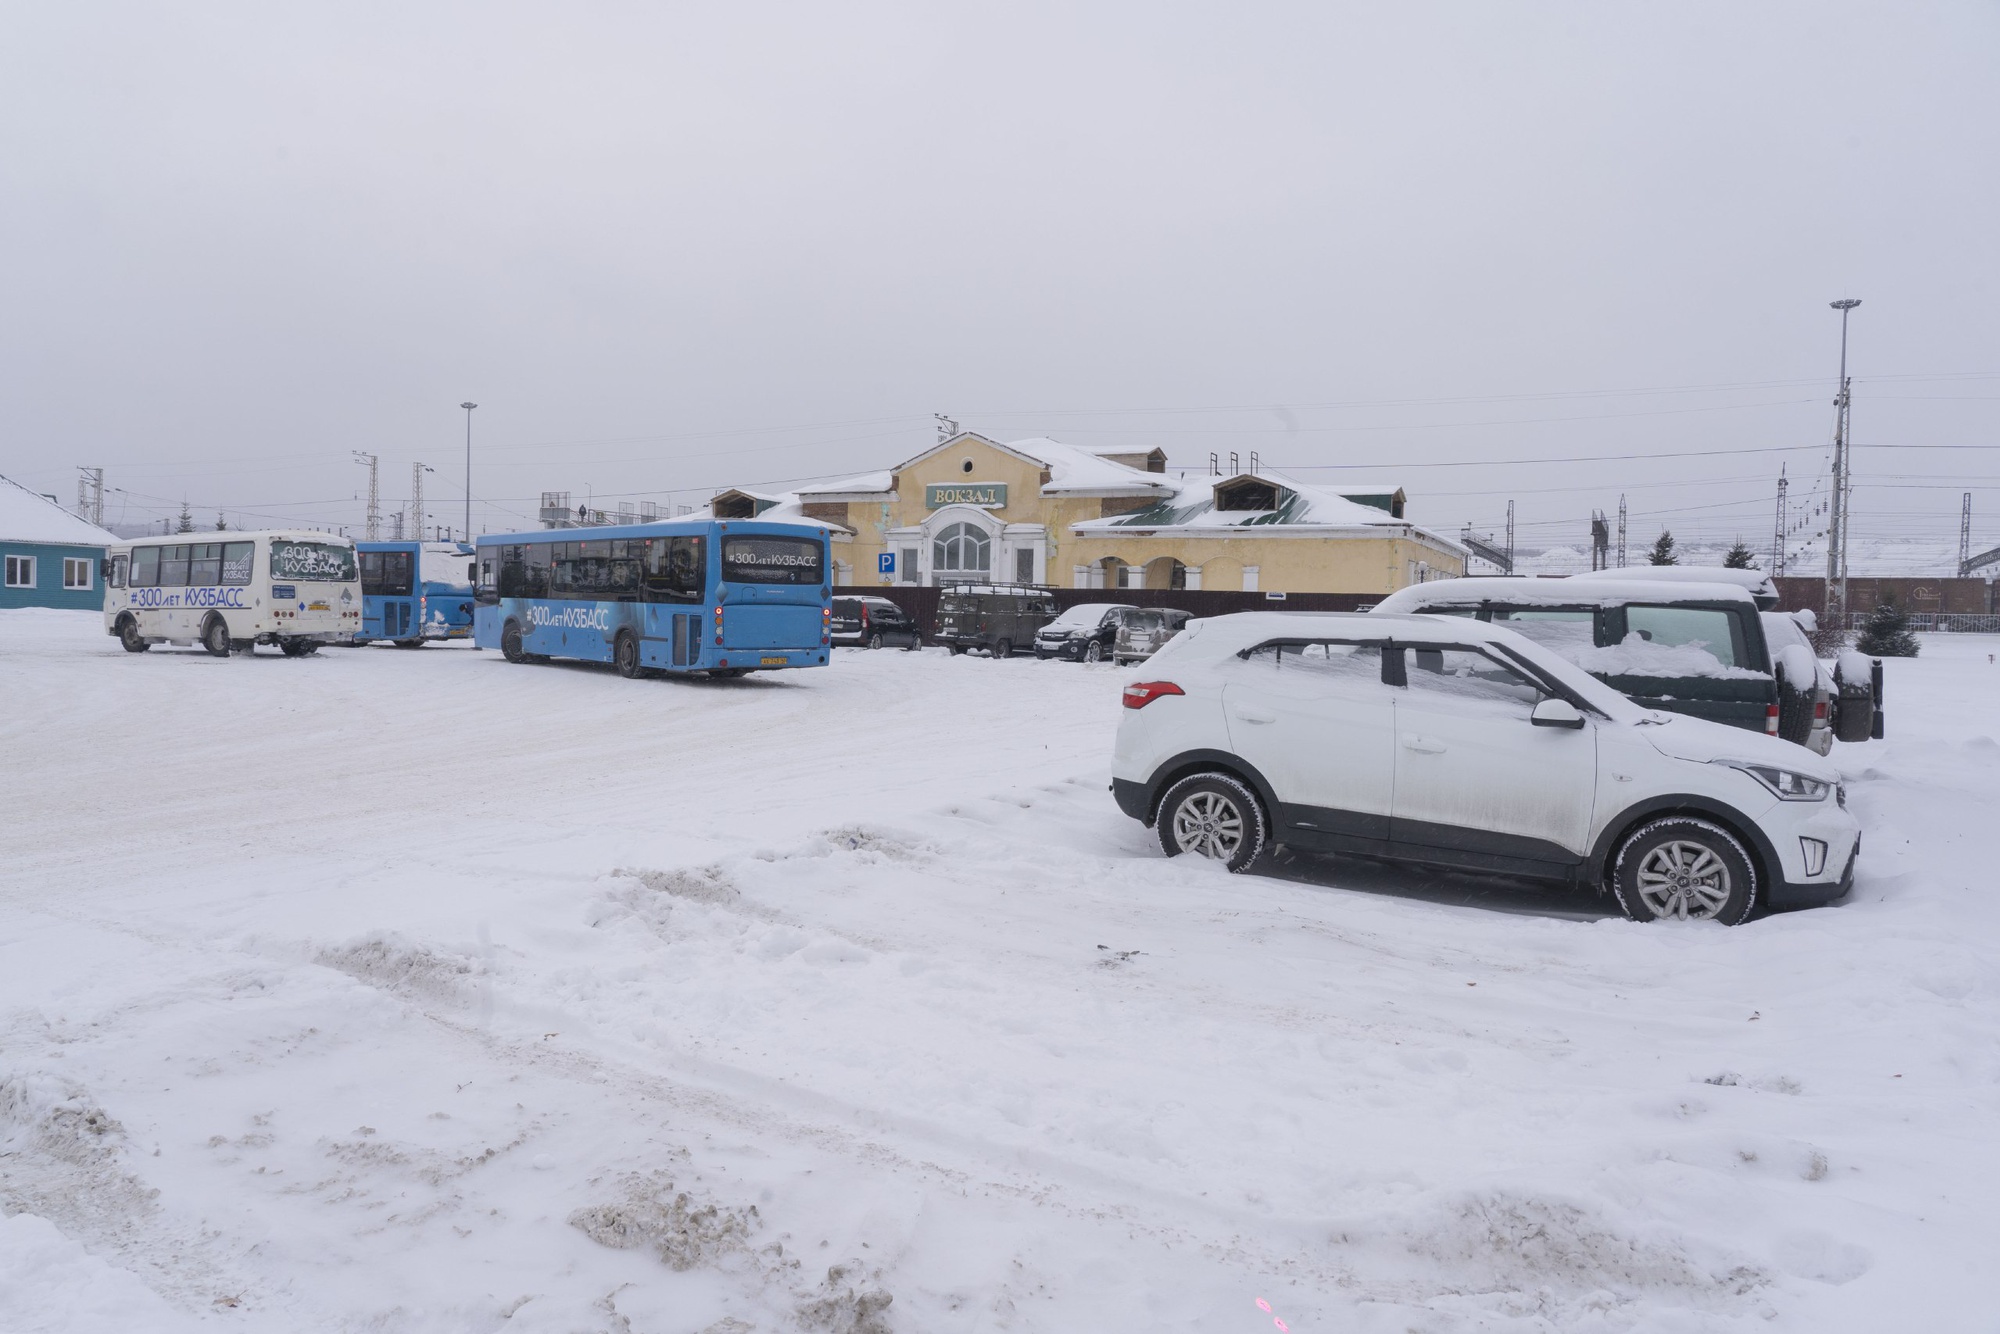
(1300, 505)
(866, 484)
(27, 516)
(1574, 591)
(1074, 469)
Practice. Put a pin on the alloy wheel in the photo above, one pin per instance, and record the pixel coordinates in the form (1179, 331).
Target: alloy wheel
(1210, 824)
(1683, 880)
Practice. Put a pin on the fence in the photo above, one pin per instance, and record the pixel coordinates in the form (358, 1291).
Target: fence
(919, 603)
(1938, 622)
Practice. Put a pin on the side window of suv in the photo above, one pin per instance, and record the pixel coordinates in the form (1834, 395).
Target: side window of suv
(1323, 660)
(1466, 681)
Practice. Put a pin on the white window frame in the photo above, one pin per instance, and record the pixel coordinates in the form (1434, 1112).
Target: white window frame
(16, 563)
(84, 565)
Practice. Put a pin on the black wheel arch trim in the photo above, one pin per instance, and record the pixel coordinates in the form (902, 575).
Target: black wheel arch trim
(1191, 761)
(1771, 867)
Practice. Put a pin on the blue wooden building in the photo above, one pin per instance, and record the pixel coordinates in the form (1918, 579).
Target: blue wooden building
(48, 556)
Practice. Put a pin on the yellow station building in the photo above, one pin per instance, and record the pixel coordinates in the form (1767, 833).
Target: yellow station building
(1043, 511)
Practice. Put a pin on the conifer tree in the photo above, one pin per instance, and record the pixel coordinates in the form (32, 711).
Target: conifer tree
(1740, 557)
(1663, 550)
(1886, 633)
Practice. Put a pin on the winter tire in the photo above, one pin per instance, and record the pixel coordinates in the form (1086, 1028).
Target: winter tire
(215, 636)
(1004, 649)
(409, 643)
(510, 643)
(956, 649)
(875, 640)
(1093, 652)
(625, 655)
(298, 648)
(1213, 815)
(129, 637)
(1795, 713)
(1854, 713)
(1684, 869)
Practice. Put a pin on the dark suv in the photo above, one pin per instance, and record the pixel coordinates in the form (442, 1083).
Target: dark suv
(1685, 647)
(873, 623)
(1083, 633)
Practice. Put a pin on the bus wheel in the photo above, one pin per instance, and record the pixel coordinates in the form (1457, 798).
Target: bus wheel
(1004, 649)
(409, 643)
(215, 636)
(129, 636)
(510, 643)
(625, 655)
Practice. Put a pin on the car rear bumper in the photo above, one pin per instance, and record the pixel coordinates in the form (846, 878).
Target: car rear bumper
(1133, 798)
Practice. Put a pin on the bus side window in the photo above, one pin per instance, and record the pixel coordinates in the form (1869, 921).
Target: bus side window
(145, 567)
(236, 559)
(675, 571)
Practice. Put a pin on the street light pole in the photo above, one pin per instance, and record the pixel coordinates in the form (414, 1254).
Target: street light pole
(1843, 470)
(468, 468)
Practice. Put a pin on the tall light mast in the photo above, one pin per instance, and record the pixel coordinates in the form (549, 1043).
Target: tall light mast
(1843, 470)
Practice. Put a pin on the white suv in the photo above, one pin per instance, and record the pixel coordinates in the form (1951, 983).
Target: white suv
(1452, 742)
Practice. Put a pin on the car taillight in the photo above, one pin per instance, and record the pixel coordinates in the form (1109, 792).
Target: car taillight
(1819, 711)
(1141, 693)
(1770, 720)
(864, 618)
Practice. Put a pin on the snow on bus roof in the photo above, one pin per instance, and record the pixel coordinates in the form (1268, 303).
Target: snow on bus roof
(1570, 592)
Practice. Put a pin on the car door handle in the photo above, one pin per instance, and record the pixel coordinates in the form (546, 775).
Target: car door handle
(1424, 745)
(1253, 716)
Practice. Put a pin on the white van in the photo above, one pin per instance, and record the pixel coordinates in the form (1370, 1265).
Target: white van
(229, 592)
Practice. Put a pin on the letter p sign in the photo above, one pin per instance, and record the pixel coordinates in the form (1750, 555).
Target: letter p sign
(885, 563)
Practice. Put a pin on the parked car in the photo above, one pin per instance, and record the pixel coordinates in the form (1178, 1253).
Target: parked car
(1806, 686)
(1678, 645)
(1083, 633)
(1143, 631)
(873, 623)
(1459, 743)
(996, 617)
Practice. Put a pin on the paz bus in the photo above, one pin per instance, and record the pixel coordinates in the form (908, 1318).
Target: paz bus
(719, 597)
(414, 592)
(229, 592)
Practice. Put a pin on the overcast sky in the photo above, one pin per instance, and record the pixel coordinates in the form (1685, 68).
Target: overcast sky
(669, 249)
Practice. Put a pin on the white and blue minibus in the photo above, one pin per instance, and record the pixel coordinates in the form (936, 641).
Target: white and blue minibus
(719, 597)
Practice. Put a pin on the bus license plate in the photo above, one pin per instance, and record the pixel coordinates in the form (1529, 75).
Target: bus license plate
(771, 662)
(319, 606)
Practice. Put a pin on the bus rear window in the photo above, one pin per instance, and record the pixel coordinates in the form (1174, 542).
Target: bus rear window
(311, 562)
(772, 560)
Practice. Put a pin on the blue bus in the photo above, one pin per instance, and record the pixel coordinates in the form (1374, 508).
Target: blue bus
(721, 597)
(414, 592)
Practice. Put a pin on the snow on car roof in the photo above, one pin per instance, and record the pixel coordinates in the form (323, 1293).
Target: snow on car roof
(1574, 591)
(1751, 581)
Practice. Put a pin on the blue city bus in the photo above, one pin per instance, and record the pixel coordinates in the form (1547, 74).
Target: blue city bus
(688, 595)
(414, 592)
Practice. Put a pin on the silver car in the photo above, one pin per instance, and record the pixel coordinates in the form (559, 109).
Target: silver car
(1142, 631)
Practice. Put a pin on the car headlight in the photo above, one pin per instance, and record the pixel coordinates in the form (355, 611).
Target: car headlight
(1784, 784)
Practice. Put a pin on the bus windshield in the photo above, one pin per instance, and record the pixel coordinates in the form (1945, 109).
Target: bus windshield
(311, 562)
(771, 560)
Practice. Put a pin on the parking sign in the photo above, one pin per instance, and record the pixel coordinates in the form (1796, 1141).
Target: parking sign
(885, 563)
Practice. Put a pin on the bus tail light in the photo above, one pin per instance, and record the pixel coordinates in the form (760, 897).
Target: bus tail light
(1770, 720)
(1141, 693)
(718, 627)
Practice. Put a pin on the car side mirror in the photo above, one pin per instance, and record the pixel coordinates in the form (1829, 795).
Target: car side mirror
(1556, 713)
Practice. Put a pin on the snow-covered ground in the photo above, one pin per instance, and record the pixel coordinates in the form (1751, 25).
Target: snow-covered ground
(400, 991)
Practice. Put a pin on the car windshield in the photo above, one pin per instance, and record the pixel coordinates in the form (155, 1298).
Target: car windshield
(1084, 616)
